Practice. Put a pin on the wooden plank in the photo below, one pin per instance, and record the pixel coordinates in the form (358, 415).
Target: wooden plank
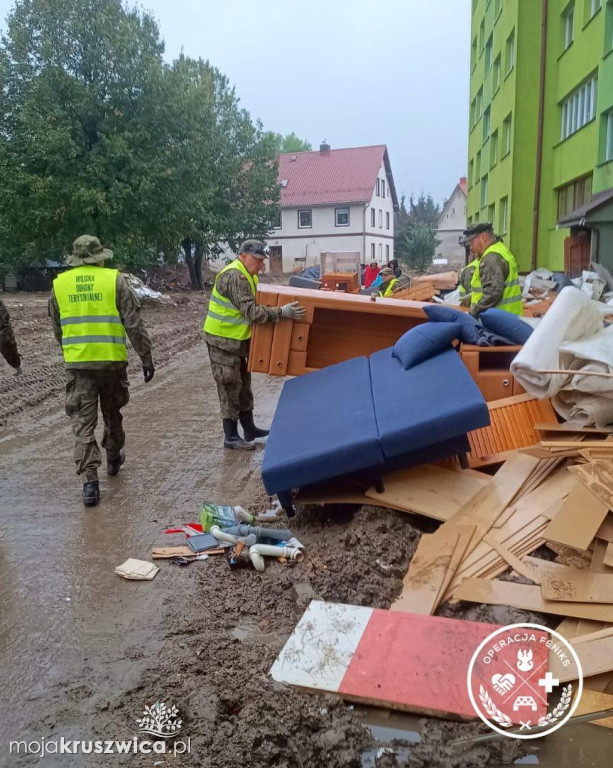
(341, 649)
(429, 565)
(429, 490)
(528, 598)
(608, 557)
(568, 628)
(596, 657)
(300, 337)
(598, 477)
(296, 363)
(606, 529)
(459, 552)
(262, 336)
(578, 586)
(579, 519)
(279, 352)
(569, 426)
(519, 566)
(583, 444)
(595, 701)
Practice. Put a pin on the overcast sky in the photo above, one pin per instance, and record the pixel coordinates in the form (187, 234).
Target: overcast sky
(354, 72)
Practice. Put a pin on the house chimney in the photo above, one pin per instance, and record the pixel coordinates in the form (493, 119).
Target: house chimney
(324, 148)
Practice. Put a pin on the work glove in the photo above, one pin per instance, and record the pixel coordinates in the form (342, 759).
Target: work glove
(474, 312)
(148, 371)
(293, 311)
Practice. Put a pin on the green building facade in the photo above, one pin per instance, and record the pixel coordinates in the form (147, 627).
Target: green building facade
(577, 126)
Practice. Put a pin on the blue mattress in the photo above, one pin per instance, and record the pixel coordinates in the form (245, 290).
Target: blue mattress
(324, 427)
(431, 403)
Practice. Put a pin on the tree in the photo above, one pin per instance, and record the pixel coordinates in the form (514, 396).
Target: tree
(423, 211)
(289, 143)
(418, 246)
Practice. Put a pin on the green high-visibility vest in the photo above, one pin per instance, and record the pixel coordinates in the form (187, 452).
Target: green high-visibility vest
(473, 265)
(511, 296)
(223, 318)
(387, 290)
(92, 330)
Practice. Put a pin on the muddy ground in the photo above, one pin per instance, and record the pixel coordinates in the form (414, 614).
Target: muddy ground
(82, 651)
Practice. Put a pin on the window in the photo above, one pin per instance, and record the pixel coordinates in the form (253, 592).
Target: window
(608, 151)
(494, 149)
(608, 32)
(341, 216)
(488, 52)
(372, 251)
(382, 187)
(484, 191)
(380, 219)
(579, 108)
(481, 35)
(380, 251)
(592, 7)
(504, 216)
(387, 220)
(473, 54)
(506, 136)
(372, 217)
(509, 53)
(478, 166)
(479, 103)
(491, 213)
(473, 113)
(378, 190)
(497, 7)
(276, 220)
(471, 173)
(387, 253)
(568, 25)
(574, 195)
(486, 124)
(305, 219)
(497, 71)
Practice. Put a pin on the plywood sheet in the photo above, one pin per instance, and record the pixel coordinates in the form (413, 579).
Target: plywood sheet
(340, 649)
(598, 477)
(594, 701)
(579, 519)
(578, 586)
(429, 490)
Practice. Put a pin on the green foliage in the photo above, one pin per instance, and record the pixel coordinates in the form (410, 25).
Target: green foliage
(98, 135)
(289, 143)
(415, 232)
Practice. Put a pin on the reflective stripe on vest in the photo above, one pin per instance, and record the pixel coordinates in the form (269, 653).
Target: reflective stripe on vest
(223, 318)
(92, 330)
(386, 290)
(473, 265)
(511, 296)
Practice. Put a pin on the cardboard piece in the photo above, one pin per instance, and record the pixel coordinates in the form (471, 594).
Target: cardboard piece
(382, 658)
(137, 570)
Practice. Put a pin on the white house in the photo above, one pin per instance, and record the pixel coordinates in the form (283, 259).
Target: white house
(334, 200)
(451, 224)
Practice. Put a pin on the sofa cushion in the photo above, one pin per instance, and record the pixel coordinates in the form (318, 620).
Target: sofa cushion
(424, 341)
(324, 426)
(440, 314)
(506, 324)
(430, 403)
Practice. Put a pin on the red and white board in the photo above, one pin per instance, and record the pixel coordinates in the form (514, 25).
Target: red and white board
(398, 660)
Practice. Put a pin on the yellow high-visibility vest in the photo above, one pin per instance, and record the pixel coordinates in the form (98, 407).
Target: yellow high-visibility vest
(511, 296)
(92, 330)
(223, 318)
(387, 290)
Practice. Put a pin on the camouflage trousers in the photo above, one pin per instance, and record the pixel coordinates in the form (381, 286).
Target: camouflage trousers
(233, 384)
(84, 389)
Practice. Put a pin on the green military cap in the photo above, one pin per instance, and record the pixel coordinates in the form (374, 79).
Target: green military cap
(89, 247)
(477, 229)
(256, 248)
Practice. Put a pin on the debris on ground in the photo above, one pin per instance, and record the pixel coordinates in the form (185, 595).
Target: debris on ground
(137, 570)
(146, 294)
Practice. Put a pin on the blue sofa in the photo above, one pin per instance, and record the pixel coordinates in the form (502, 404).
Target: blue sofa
(368, 416)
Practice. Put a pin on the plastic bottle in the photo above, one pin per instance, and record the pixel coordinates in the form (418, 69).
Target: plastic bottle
(224, 517)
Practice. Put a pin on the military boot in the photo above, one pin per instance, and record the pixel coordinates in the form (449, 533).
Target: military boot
(232, 439)
(91, 493)
(114, 463)
(250, 431)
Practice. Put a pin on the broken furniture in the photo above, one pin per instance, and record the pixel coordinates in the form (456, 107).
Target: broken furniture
(337, 327)
(443, 281)
(370, 417)
(490, 368)
(346, 282)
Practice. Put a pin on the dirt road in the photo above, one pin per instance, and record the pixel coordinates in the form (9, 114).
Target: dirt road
(82, 651)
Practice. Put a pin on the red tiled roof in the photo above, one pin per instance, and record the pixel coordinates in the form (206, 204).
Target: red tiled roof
(463, 184)
(337, 176)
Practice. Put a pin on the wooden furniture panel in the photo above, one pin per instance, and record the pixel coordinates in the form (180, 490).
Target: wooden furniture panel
(279, 353)
(300, 337)
(262, 336)
(296, 363)
(489, 367)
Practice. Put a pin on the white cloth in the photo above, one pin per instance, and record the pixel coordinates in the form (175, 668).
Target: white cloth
(571, 336)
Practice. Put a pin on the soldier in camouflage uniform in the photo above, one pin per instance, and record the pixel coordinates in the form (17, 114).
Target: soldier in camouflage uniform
(227, 332)
(92, 309)
(8, 345)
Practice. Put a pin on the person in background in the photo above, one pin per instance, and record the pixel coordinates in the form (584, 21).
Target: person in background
(388, 283)
(495, 281)
(466, 276)
(8, 345)
(393, 265)
(370, 274)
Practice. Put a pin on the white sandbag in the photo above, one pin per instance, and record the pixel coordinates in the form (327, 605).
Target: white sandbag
(571, 317)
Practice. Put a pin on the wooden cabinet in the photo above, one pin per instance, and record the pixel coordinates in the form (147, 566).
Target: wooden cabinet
(489, 367)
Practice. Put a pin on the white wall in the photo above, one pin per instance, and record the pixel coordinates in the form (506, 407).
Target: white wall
(450, 226)
(379, 235)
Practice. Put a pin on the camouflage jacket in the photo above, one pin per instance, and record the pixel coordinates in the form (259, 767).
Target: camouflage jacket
(236, 288)
(493, 273)
(8, 345)
(128, 307)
